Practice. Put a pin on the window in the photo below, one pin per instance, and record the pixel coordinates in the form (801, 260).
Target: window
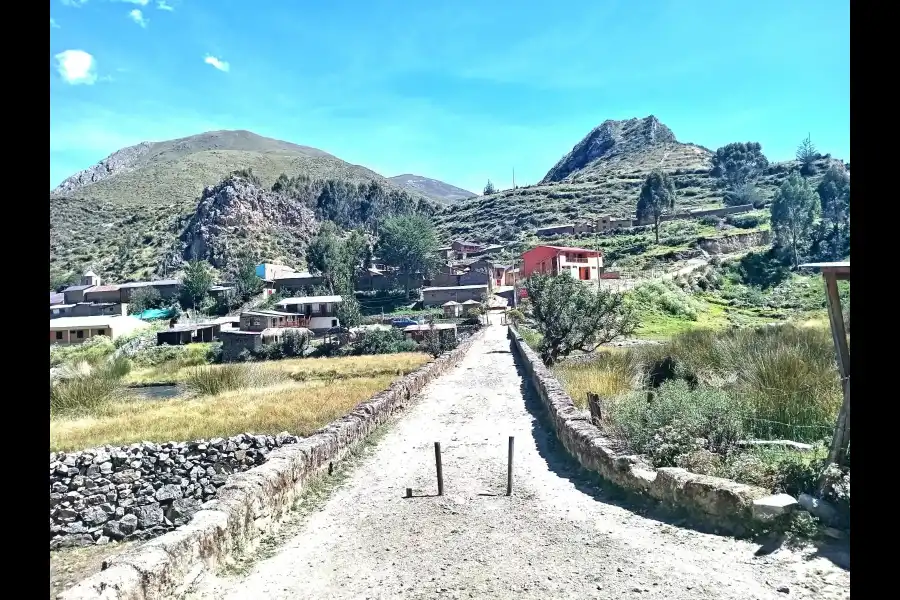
(101, 332)
(334, 323)
(59, 335)
(323, 308)
(79, 334)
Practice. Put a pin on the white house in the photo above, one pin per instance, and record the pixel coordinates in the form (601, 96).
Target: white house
(75, 330)
(319, 312)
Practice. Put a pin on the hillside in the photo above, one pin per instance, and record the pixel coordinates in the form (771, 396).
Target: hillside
(432, 188)
(602, 175)
(123, 215)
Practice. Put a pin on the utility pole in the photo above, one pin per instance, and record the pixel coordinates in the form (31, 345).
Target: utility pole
(514, 178)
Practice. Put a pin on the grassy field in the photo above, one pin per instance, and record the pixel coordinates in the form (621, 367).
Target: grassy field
(298, 396)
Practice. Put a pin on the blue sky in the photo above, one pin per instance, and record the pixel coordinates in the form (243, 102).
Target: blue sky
(460, 91)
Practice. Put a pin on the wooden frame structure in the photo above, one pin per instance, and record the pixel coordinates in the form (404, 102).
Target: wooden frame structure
(832, 273)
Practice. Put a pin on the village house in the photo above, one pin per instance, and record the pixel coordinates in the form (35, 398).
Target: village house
(235, 341)
(438, 296)
(168, 289)
(180, 335)
(317, 313)
(271, 271)
(258, 320)
(102, 293)
(76, 330)
(452, 309)
(580, 263)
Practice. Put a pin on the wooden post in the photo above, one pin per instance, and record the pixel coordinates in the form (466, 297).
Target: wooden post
(409, 492)
(595, 407)
(509, 467)
(440, 471)
(836, 315)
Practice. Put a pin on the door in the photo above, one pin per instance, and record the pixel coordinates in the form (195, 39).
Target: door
(584, 273)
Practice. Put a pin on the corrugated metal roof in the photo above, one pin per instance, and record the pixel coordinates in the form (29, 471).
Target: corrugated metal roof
(296, 275)
(455, 287)
(310, 300)
(89, 322)
(571, 249)
(57, 298)
(450, 303)
(137, 284)
(104, 288)
(76, 288)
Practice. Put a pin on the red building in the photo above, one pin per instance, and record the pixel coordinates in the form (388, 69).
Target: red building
(580, 263)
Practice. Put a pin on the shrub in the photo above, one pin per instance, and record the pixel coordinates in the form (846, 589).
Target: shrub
(665, 296)
(214, 353)
(705, 412)
(744, 221)
(436, 343)
(212, 380)
(383, 341)
(92, 351)
(88, 390)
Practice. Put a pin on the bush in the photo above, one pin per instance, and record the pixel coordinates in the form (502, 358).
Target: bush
(383, 341)
(89, 390)
(706, 413)
(436, 343)
(665, 296)
(744, 221)
(93, 351)
(213, 380)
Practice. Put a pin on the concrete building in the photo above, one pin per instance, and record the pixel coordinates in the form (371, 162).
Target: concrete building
(167, 288)
(75, 293)
(580, 263)
(90, 279)
(76, 330)
(438, 296)
(57, 298)
(550, 230)
(317, 313)
(97, 309)
(188, 334)
(258, 320)
(103, 293)
(235, 341)
(271, 271)
(61, 310)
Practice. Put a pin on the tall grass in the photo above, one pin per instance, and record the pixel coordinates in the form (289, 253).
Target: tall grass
(85, 389)
(213, 380)
(783, 377)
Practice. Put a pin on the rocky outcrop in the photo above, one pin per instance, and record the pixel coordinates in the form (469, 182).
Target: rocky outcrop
(117, 162)
(432, 188)
(143, 490)
(609, 139)
(236, 212)
(252, 503)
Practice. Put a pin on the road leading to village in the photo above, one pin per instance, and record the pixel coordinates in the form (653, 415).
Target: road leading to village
(558, 536)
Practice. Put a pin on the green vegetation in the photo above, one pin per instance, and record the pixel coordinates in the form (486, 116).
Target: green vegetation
(195, 284)
(686, 402)
(87, 388)
(409, 243)
(571, 316)
(794, 211)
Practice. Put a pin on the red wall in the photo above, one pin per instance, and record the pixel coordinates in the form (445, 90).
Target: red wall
(531, 260)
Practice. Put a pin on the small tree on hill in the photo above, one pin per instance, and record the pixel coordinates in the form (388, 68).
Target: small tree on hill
(489, 188)
(737, 166)
(657, 196)
(247, 282)
(196, 283)
(794, 210)
(145, 298)
(834, 194)
(807, 154)
(570, 315)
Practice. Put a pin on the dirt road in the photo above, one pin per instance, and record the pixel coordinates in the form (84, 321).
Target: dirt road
(560, 535)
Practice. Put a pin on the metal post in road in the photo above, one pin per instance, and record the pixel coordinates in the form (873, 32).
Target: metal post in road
(509, 467)
(440, 470)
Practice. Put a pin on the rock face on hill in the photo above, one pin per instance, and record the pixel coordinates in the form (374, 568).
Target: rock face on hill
(609, 139)
(238, 214)
(117, 162)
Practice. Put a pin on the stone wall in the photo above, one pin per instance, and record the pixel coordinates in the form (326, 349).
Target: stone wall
(251, 503)
(719, 502)
(142, 490)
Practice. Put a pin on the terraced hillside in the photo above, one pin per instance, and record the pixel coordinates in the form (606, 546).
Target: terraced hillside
(438, 191)
(601, 176)
(124, 214)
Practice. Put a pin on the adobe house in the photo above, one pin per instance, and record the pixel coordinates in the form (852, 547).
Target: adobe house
(259, 320)
(438, 296)
(77, 330)
(180, 335)
(452, 309)
(580, 263)
(102, 293)
(271, 271)
(235, 341)
(297, 283)
(168, 289)
(417, 333)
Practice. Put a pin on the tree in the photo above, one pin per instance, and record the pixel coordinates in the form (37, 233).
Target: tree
(745, 193)
(657, 195)
(409, 243)
(60, 280)
(145, 298)
(489, 188)
(738, 163)
(247, 282)
(196, 283)
(326, 256)
(570, 315)
(834, 195)
(806, 154)
(794, 210)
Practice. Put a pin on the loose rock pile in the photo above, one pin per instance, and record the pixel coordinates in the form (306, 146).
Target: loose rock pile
(142, 490)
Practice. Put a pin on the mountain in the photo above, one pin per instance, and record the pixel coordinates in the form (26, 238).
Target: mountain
(601, 175)
(432, 188)
(124, 216)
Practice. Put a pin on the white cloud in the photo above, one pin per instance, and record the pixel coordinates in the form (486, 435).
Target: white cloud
(73, 3)
(217, 63)
(53, 24)
(138, 17)
(162, 5)
(76, 67)
(138, 2)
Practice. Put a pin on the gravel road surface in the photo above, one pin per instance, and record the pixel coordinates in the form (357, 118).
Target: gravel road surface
(560, 535)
